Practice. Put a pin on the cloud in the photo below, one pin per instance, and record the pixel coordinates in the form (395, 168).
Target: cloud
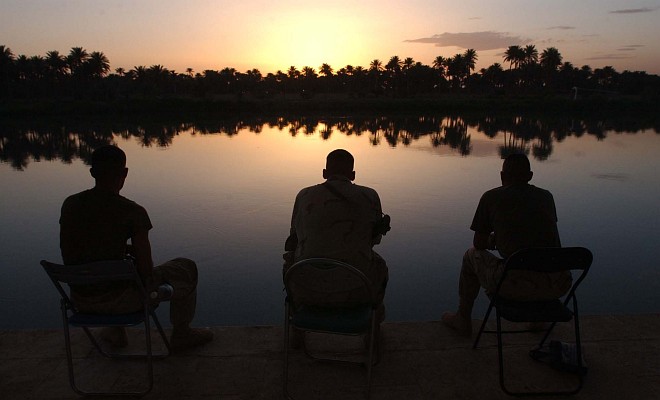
(612, 177)
(561, 27)
(487, 40)
(609, 57)
(472, 18)
(634, 10)
(631, 47)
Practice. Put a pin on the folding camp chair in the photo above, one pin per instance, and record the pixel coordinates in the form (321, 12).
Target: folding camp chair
(101, 272)
(309, 280)
(550, 311)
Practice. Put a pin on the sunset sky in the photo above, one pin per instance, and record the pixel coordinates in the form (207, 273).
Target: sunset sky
(276, 34)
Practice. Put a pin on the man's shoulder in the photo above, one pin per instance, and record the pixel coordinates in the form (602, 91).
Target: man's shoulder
(516, 190)
(92, 196)
(309, 189)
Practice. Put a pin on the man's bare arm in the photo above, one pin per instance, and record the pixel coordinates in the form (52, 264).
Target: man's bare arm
(142, 254)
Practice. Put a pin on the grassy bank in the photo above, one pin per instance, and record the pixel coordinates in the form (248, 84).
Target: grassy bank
(327, 105)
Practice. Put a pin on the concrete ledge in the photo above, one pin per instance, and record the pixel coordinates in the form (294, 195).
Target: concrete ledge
(420, 360)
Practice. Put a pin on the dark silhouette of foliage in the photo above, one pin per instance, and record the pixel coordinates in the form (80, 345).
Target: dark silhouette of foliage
(21, 142)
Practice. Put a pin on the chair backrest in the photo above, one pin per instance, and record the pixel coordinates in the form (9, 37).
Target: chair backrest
(550, 259)
(327, 282)
(91, 273)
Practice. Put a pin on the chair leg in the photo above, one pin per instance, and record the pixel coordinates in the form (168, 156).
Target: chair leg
(285, 375)
(161, 331)
(578, 343)
(69, 352)
(483, 325)
(372, 339)
(500, 350)
(150, 358)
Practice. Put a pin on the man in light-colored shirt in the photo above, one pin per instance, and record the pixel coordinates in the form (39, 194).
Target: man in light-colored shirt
(340, 220)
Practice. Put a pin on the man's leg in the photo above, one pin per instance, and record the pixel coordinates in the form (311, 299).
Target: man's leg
(480, 268)
(181, 273)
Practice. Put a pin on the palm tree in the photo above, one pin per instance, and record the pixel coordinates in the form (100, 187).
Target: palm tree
(394, 65)
(97, 65)
(470, 60)
(76, 58)
(6, 68)
(56, 64)
(530, 55)
(6, 57)
(325, 70)
(408, 63)
(37, 67)
(22, 64)
(190, 72)
(493, 75)
(293, 73)
(439, 63)
(456, 68)
(376, 65)
(308, 72)
(551, 59)
(120, 71)
(514, 56)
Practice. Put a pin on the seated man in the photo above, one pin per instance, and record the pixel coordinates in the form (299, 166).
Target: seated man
(95, 225)
(340, 220)
(511, 217)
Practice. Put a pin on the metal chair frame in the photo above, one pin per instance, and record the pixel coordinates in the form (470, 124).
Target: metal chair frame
(98, 272)
(289, 314)
(541, 260)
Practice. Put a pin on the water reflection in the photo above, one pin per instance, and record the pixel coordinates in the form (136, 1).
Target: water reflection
(21, 143)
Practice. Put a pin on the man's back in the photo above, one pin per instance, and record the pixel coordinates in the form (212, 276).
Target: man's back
(521, 215)
(336, 220)
(95, 225)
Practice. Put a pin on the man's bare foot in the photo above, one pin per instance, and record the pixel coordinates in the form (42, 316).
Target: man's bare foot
(459, 324)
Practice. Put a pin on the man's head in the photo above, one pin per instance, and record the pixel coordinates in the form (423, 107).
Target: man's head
(516, 170)
(109, 166)
(339, 162)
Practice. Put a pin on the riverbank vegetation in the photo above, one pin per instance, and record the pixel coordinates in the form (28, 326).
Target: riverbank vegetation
(83, 82)
(24, 141)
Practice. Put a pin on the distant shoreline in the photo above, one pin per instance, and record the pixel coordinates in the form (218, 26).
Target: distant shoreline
(231, 106)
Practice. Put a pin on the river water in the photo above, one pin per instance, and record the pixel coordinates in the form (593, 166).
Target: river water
(221, 193)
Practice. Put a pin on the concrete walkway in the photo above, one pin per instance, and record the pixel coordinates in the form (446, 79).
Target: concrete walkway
(421, 360)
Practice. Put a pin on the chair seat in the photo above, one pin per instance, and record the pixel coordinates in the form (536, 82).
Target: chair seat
(533, 311)
(96, 320)
(351, 320)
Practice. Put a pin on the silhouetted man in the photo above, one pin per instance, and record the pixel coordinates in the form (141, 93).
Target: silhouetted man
(95, 225)
(340, 220)
(513, 216)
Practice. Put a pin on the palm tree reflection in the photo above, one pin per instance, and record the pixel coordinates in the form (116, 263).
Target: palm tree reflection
(21, 143)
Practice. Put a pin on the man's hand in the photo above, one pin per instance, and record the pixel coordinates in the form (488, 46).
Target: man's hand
(141, 250)
(484, 241)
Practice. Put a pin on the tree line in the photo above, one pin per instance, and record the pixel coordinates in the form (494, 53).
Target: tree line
(39, 140)
(87, 75)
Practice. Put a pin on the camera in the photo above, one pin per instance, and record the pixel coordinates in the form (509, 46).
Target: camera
(382, 226)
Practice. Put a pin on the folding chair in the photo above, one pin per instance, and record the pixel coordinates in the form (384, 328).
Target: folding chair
(552, 311)
(318, 277)
(100, 272)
